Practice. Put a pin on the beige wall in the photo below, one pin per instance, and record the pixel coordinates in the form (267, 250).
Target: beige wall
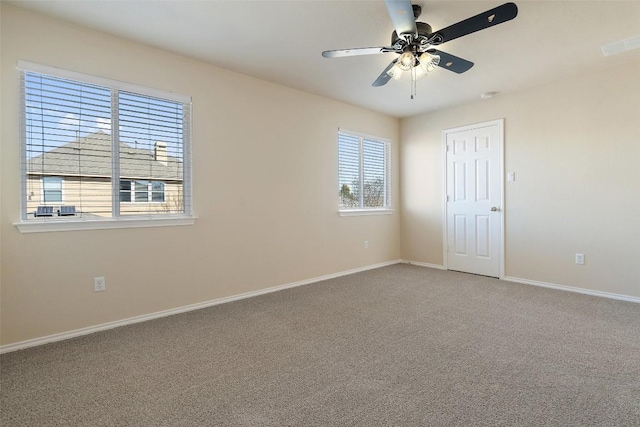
(265, 192)
(575, 148)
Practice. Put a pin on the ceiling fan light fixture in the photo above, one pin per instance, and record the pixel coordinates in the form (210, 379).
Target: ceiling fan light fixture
(406, 61)
(429, 62)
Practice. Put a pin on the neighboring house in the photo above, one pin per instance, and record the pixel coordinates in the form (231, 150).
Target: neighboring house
(75, 179)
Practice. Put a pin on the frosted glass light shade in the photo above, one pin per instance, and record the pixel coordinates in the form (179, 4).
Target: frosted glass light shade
(429, 62)
(406, 61)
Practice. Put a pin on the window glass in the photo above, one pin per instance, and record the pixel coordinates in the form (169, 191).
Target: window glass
(52, 189)
(349, 171)
(373, 173)
(142, 191)
(363, 172)
(125, 191)
(157, 191)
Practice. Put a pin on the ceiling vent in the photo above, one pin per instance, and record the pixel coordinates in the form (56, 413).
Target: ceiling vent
(621, 46)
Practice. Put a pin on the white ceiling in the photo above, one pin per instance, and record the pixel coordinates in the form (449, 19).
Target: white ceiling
(282, 41)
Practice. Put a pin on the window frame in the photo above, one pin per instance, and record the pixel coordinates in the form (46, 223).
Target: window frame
(387, 209)
(116, 220)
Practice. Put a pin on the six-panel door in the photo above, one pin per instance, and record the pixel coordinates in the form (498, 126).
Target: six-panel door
(473, 200)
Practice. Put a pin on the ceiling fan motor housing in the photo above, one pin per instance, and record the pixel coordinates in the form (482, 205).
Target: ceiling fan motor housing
(424, 30)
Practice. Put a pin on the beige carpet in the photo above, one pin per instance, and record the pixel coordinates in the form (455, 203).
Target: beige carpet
(396, 346)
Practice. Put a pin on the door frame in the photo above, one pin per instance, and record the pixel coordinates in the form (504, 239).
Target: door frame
(445, 236)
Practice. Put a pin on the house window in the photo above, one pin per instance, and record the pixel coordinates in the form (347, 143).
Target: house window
(97, 135)
(157, 191)
(51, 189)
(125, 191)
(363, 172)
(143, 191)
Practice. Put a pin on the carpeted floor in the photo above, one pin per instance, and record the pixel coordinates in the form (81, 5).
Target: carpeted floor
(396, 346)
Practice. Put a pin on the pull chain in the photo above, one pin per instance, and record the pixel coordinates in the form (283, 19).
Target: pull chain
(413, 82)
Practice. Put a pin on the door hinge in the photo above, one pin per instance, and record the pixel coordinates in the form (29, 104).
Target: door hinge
(447, 197)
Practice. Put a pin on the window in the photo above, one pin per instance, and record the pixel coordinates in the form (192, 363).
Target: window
(144, 191)
(125, 191)
(363, 172)
(51, 189)
(122, 151)
(157, 191)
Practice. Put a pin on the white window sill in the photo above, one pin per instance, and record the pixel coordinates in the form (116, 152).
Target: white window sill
(360, 212)
(44, 226)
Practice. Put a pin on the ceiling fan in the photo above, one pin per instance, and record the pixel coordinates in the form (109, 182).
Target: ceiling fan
(417, 44)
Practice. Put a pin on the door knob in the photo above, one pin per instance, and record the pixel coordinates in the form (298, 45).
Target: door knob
(494, 208)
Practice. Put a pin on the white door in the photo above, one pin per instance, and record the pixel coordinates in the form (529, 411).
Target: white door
(474, 198)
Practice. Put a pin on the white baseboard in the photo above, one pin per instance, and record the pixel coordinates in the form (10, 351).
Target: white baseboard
(628, 298)
(610, 295)
(423, 264)
(137, 319)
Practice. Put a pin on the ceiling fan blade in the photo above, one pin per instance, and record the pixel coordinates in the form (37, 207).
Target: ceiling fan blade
(401, 13)
(356, 51)
(487, 19)
(384, 77)
(452, 62)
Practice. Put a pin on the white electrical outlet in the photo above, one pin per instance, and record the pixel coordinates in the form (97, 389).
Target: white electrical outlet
(366, 244)
(580, 259)
(99, 284)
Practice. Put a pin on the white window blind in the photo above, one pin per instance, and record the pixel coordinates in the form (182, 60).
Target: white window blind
(363, 172)
(115, 150)
(151, 151)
